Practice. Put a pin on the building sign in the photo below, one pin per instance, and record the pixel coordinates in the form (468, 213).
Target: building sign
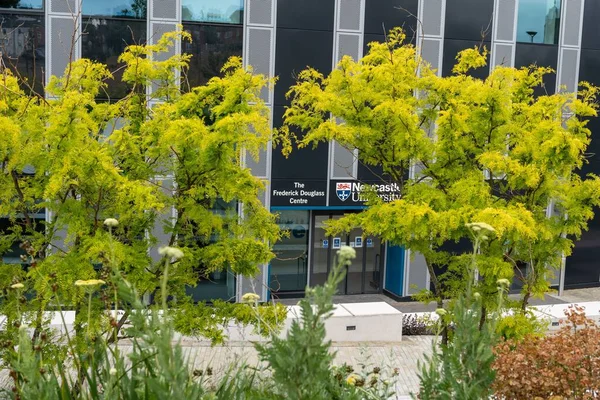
(298, 193)
(337, 243)
(352, 193)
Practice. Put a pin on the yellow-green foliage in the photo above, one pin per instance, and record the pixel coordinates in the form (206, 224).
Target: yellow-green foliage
(133, 159)
(485, 150)
(520, 325)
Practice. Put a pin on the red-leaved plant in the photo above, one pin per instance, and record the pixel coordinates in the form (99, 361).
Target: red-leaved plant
(565, 365)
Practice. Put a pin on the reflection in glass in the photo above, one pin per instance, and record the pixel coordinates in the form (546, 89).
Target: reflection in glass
(22, 47)
(216, 285)
(210, 48)
(289, 267)
(115, 8)
(539, 21)
(220, 11)
(22, 4)
(104, 40)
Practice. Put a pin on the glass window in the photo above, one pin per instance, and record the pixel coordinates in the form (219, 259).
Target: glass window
(220, 11)
(104, 40)
(215, 285)
(115, 8)
(22, 4)
(22, 47)
(289, 267)
(210, 48)
(539, 21)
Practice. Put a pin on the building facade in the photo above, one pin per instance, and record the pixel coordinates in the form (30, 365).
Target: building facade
(279, 38)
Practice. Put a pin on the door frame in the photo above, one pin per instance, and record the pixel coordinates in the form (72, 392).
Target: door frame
(330, 214)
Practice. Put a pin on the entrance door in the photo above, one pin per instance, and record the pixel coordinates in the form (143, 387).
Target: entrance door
(363, 275)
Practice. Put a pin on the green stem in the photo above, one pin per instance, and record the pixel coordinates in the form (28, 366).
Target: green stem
(164, 286)
(89, 314)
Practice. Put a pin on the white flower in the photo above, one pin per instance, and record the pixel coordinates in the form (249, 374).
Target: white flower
(89, 282)
(172, 252)
(111, 222)
(346, 254)
(503, 282)
(17, 286)
(112, 371)
(480, 226)
(250, 298)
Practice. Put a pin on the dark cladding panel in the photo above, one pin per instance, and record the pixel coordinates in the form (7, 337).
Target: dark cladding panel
(297, 50)
(371, 173)
(300, 179)
(383, 15)
(543, 56)
(369, 38)
(582, 267)
(451, 50)
(469, 19)
(306, 14)
(591, 27)
(589, 69)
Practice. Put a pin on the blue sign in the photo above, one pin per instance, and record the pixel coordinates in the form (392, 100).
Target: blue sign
(337, 243)
(325, 243)
(358, 241)
(369, 242)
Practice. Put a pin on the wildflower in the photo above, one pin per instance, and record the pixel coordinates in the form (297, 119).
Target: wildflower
(441, 312)
(503, 282)
(476, 295)
(89, 282)
(111, 222)
(112, 371)
(172, 252)
(480, 226)
(346, 254)
(250, 298)
(351, 380)
(17, 286)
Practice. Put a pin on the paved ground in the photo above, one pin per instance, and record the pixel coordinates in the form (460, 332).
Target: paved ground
(387, 356)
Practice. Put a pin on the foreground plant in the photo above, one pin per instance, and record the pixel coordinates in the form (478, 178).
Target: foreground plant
(301, 363)
(297, 367)
(564, 365)
(461, 367)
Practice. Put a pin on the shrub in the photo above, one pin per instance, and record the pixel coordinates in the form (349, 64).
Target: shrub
(413, 325)
(520, 325)
(563, 365)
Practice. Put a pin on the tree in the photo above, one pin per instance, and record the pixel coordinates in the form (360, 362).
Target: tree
(85, 161)
(486, 150)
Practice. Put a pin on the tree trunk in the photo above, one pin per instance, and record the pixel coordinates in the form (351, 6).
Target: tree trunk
(437, 290)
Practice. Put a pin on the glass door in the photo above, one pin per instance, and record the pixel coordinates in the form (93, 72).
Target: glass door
(321, 254)
(373, 260)
(363, 275)
(354, 273)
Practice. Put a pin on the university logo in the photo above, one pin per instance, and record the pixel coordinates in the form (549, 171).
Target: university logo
(343, 190)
